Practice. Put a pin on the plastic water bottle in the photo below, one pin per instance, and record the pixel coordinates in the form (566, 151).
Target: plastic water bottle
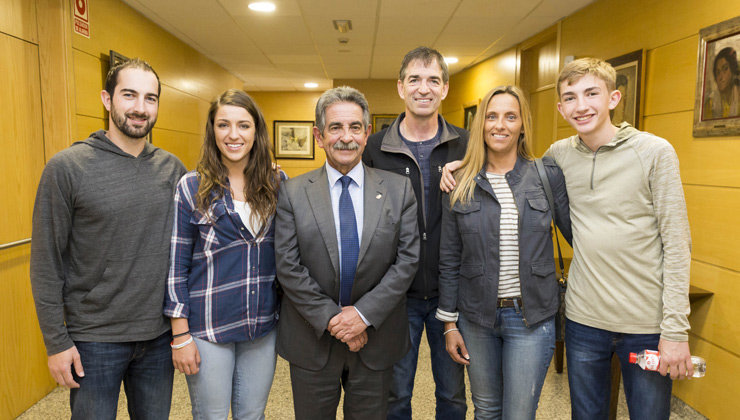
(650, 360)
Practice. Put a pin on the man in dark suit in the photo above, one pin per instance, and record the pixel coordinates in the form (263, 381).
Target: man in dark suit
(347, 249)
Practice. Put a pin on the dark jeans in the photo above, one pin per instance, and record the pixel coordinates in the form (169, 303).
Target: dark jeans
(145, 367)
(589, 352)
(449, 377)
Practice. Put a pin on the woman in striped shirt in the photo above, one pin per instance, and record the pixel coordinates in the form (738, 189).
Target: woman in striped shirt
(498, 291)
(221, 292)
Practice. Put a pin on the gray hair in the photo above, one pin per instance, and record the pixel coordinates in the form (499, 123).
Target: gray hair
(341, 94)
(426, 55)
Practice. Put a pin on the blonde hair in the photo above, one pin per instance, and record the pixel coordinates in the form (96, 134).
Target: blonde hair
(475, 155)
(576, 69)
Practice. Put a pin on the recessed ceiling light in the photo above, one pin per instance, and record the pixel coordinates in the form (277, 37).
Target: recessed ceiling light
(451, 60)
(311, 85)
(262, 6)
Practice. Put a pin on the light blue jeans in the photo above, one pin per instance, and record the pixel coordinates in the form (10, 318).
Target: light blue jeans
(508, 364)
(237, 375)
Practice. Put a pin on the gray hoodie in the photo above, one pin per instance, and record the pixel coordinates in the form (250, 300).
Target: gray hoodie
(101, 237)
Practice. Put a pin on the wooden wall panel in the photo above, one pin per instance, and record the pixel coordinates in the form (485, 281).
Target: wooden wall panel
(186, 146)
(86, 126)
(115, 26)
(18, 19)
(89, 77)
(542, 104)
(563, 132)
(55, 64)
(703, 160)
(539, 62)
(23, 373)
(381, 94)
(610, 28)
(470, 85)
(23, 377)
(180, 111)
(715, 231)
(23, 144)
(708, 316)
(714, 395)
(671, 77)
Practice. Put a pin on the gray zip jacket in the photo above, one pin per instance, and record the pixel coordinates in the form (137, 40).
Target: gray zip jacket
(469, 250)
(101, 239)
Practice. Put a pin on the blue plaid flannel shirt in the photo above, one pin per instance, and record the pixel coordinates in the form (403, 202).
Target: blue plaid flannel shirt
(221, 278)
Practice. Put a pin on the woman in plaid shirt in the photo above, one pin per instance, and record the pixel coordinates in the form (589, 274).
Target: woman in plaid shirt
(221, 295)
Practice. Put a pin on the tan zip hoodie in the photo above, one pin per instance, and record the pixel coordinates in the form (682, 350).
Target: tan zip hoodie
(631, 239)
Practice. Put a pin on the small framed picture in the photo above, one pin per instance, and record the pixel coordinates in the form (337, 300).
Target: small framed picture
(293, 139)
(629, 82)
(717, 102)
(469, 115)
(383, 121)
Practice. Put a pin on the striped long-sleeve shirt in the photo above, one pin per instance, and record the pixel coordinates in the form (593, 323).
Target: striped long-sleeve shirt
(221, 277)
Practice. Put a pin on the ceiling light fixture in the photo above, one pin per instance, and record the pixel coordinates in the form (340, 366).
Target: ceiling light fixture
(343, 25)
(311, 85)
(262, 6)
(451, 60)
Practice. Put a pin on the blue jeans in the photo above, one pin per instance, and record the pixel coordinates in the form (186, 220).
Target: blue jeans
(145, 367)
(589, 352)
(233, 375)
(449, 377)
(508, 364)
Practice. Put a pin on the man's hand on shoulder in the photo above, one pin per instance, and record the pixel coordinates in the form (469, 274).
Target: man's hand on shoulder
(60, 367)
(676, 358)
(346, 325)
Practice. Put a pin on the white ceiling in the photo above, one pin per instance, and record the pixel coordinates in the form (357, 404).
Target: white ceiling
(297, 43)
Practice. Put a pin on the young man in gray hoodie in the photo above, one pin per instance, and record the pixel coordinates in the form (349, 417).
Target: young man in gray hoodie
(101, 237)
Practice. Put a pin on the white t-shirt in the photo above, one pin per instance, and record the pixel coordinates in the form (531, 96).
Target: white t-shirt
(245, 213)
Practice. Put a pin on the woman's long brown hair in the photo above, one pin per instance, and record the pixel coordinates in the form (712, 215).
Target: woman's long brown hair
(261, 179)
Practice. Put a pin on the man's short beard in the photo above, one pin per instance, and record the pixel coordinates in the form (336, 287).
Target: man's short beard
(120, 121)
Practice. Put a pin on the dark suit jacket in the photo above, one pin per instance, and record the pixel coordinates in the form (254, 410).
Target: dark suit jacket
(307, 260)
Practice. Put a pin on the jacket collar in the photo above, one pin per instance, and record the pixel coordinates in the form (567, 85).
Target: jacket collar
(392, 141)
(512, 177)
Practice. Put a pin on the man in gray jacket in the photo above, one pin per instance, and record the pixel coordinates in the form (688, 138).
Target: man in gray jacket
(101, 234)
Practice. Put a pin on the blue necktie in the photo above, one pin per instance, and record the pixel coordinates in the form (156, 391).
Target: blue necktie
(350, 243)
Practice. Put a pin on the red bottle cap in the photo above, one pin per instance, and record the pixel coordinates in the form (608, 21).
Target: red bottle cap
(633, 357)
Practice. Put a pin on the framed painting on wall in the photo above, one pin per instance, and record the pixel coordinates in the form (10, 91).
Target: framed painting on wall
(717, 102)
(293, 139)
(115, 58)
(468, 115)
(381, 121)
(629, 69)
